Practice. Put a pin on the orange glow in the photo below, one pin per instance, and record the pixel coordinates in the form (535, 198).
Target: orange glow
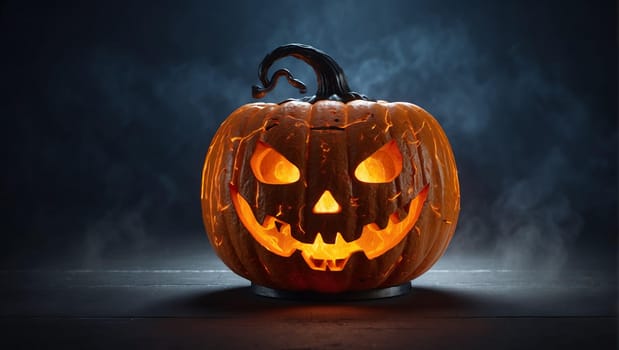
(270, 167)
(381, 166)
(322, 256)
(327, 204)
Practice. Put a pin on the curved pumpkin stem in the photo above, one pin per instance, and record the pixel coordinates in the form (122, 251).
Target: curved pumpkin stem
(332, 84)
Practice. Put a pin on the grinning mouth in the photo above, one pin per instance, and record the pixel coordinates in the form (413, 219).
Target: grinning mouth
(276, 235)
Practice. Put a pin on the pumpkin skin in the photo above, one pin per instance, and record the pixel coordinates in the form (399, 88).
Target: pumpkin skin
(319, 149)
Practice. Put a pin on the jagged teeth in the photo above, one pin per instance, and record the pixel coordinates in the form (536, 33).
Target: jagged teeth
(325, 264)
(319, 241)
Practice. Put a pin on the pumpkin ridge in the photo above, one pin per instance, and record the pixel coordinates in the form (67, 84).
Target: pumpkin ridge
(426, 134)
(223, 136)
(418, 259)
(243, 249)
(402, 246)
(440, 245)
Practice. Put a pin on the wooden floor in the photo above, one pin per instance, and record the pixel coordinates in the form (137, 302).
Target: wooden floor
(203, 305)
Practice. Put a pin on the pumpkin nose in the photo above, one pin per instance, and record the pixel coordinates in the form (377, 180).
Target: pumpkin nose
(326, 204)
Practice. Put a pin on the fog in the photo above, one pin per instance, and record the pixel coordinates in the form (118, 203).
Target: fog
(111, 110)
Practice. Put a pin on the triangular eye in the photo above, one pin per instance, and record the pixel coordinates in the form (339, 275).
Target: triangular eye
(381, 166)
(270, 167)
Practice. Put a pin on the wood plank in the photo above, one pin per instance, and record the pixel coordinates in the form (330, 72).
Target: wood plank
(313, 333)
(219, 293)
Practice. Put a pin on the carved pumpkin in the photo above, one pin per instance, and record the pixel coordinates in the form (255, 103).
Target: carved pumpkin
(329, 193)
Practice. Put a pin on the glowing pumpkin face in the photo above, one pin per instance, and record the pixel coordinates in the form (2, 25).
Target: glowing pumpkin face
(335, 212)
(329, 194)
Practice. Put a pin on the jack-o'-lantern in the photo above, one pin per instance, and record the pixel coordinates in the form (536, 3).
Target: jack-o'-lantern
(330, 193)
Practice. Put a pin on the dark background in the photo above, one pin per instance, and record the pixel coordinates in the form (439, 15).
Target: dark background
(108, 109)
